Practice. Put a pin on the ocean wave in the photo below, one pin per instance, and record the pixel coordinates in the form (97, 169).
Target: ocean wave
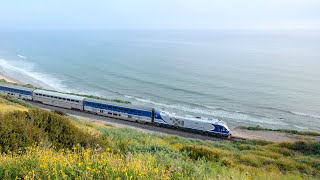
(306, 114)
(166, 86)
(293, 112)
(213, 112)
(21, 56)
(300, 127)
(25, 72)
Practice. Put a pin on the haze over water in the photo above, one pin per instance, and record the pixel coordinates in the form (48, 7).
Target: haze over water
(271, 79)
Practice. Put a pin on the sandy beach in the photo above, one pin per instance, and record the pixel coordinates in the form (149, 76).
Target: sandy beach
(9, 79)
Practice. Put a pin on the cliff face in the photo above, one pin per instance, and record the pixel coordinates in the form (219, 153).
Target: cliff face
(36, 143)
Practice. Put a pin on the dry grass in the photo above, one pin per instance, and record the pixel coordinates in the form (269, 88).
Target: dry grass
(6, 106)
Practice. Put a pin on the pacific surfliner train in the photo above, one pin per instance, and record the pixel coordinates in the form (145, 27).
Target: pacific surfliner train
(118, 110)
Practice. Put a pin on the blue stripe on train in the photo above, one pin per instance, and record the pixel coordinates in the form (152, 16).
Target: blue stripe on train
(29, 93)
(114, 108)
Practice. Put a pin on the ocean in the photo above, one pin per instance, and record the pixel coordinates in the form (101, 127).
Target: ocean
(246, 78)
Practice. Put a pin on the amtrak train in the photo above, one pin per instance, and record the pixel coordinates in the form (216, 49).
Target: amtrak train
(118, 110)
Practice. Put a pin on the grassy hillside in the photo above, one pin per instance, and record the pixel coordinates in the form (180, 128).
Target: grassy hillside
(9, 104)
(37, 144)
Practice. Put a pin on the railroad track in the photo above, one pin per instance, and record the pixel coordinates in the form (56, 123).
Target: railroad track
(133, 125)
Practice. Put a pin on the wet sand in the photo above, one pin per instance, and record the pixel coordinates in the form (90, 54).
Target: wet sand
(9, 79)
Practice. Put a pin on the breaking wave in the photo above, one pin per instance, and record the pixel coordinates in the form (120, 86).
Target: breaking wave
(24, 72)
(21, 56)
(293, 112)
(211, 111)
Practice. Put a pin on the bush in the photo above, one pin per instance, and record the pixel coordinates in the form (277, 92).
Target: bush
(306, 147)
(60, 112)
(303, 147)
(19, 130)
(199, 152)
(17, 134)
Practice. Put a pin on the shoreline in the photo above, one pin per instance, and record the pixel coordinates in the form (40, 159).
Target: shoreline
(236, 131)
(9, 79)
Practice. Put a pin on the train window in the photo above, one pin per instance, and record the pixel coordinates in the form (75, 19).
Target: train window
(115, 114)
(64, 98)
(77, 101)
(72, 100)
(51, 96)
(129, 116)
(68, 99)
(56, 97)
(59, 97)
(109, 113)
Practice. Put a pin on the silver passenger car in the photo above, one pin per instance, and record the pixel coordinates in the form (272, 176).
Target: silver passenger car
(58, 99)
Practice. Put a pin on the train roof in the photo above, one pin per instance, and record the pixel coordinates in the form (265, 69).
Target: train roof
(119, 104)
(17, 87)
(57, 94)
(192, 118)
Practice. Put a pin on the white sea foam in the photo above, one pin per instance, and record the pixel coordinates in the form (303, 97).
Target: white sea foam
(25, 72)
(212, 112)
(21, 56)
(130, 97)
(305, 114)
(300, 127)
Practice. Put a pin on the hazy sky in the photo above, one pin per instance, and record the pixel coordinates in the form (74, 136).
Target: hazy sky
(160, 14)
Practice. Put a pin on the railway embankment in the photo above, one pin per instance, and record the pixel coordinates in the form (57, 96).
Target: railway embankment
(37, 143)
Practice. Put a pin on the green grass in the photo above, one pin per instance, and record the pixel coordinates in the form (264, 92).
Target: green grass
(12, 100)
(259, 128)
(9, 104)
(39, 144)
(87, 96)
